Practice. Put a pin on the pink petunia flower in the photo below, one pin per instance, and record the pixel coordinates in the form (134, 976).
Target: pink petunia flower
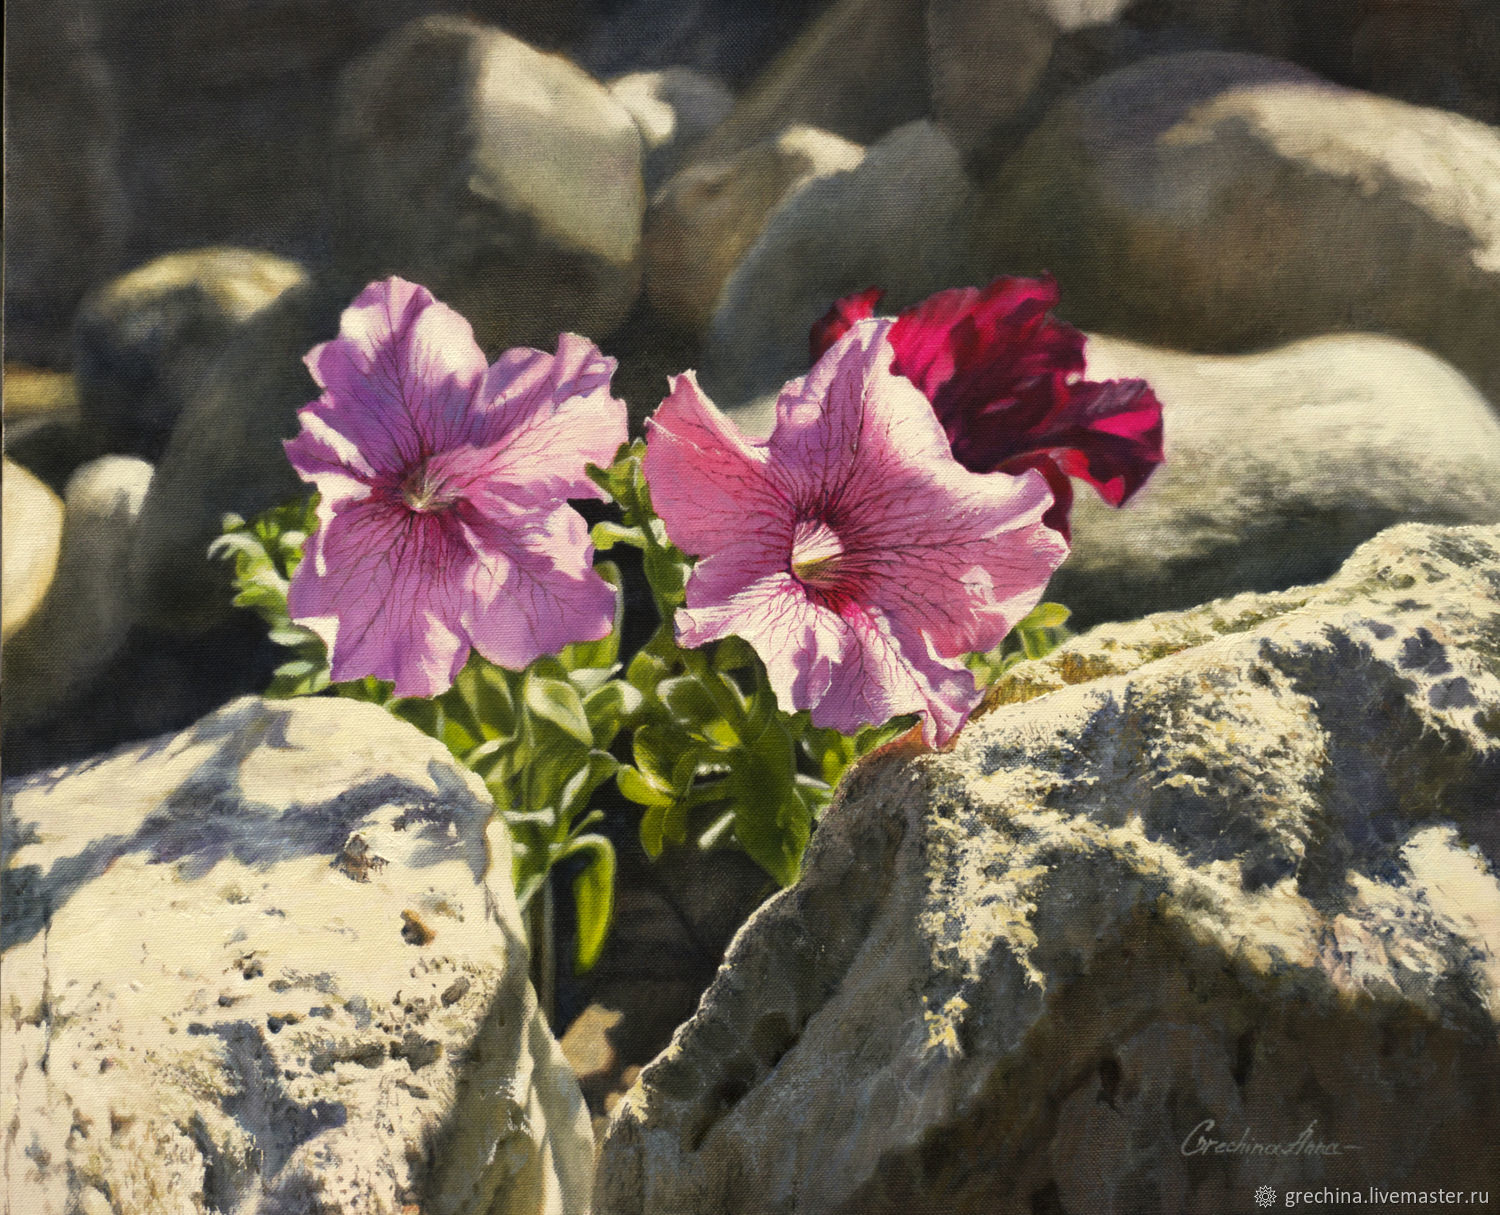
(443, 520)
(850, 549)
(1002, 375)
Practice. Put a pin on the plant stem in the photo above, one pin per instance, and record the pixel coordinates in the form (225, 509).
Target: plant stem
(540, 936)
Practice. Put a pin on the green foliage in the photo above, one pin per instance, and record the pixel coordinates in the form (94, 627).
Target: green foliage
(712, 760)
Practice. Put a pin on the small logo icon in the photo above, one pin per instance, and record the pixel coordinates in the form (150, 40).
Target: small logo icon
(1265, 1197)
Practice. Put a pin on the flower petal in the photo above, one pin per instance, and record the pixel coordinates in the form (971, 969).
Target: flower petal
(399, 380)
(841, 318)
(546, 416)
(708, 483)
(382, 586)
(845, 417)
(1110, 435)
(531, 588)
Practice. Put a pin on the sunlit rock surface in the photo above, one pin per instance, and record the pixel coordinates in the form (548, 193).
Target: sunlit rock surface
(1226, 873)
(274, 964)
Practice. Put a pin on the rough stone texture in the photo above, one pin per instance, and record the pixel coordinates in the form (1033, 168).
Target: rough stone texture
(274, 964)
(1225, 202)
(1239, 865)
(66, 215)
(900, 220)
(505, 180)
(858, 70)
(142, 341)
(703, 220)
(225, 455)
(88, 608)
(674, 107)
(986, 57)
(1278, 465)
(33, 521)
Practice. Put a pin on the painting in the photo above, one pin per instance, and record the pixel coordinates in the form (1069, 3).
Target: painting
(691, 607)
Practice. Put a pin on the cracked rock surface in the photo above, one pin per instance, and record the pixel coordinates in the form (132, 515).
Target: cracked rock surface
(1218, 877)
(274, 964)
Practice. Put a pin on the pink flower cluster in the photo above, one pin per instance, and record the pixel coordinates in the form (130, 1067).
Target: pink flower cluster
(908, 509)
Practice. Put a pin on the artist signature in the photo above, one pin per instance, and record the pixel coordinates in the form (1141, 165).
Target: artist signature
(1201, 1142)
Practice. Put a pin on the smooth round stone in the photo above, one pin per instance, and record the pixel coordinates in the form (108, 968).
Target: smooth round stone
(32, 522)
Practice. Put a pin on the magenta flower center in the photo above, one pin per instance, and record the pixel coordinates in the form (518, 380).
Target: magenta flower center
(819, 559)
(427, 491)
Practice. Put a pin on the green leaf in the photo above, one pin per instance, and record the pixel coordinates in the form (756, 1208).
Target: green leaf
(694, 709)
(606, 535)
(597, 769)
(772, 821)
(593, 897)
(608, 707)
(487, 691)
(642, 790)
(557, 701)
(604, 652)
(1045, 616)
(661, 825)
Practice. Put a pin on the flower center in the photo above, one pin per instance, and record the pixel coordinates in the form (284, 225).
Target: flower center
(817, 554)
(426, 491)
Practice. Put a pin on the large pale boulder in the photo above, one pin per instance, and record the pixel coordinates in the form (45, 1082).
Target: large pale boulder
(1225, 202)
(274, 963)
(1278, 465)
(88, 608)
(1232, 880)
(899, 220)
(142, 341)
(33, 521)
(505, 180)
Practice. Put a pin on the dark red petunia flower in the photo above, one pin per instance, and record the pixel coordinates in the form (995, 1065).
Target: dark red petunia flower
(1004, 377)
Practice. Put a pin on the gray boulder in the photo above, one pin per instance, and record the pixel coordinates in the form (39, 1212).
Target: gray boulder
(505, 180)
(1278, 465)
(899, 220)
(1232, 882)
(703, 220)
(225, 456)
(88, 608)
(858, 69)
(1225, 202)
(674, 107)
(142, 341)
(274, 963)
(986, 57)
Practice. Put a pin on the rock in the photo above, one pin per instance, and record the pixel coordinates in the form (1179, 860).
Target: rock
(33, 522)
(43, 428)
(66, 214)
(858, 70)
(724, 38)
(900, 220)
(142, 341)
(83, 620)
(674, 108)
(986, 57)
(1235, 876)
(225, 456)
(704, 219)
(505, 180)
(1224, 202)
(260, 1032)
(1430, 52)
(1278, 466)
(226, 121)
